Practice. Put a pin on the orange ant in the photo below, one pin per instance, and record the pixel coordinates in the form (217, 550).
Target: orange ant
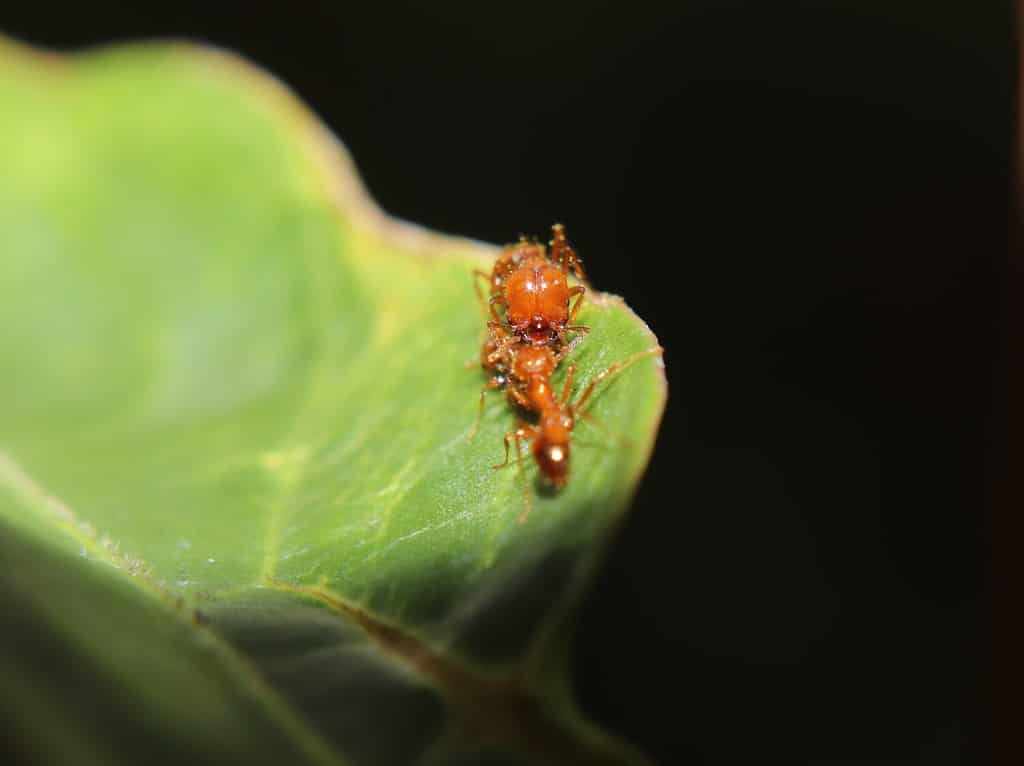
(530, 388)
(532, 286)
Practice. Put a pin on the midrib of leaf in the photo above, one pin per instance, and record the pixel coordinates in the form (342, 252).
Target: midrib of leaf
(491, 710)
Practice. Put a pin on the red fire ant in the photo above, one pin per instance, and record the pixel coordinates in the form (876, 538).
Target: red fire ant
(530, 388)
(532, 286)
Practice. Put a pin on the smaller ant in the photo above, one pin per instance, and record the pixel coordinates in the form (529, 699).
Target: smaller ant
(529, 376)
(532, 286)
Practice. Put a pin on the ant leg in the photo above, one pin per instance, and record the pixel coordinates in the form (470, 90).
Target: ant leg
(502, 341)
(501, 336)
(497, 300)
(472, 362)
(527, 501)
(614, 369)
(578, 291)
(522, 432)
(559, 246)
(491, 352)
(579, 334)
(491, 385)
(518, 398)
(594, 420)
(478, 274)
(577, 269)
(578, 330)
(508, 436)
(500, 329)
(565, 256)
(567, 348)
(562, 253)
(567, 388)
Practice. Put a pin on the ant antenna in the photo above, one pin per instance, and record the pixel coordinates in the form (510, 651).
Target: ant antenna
(623, 441)
(611, 371)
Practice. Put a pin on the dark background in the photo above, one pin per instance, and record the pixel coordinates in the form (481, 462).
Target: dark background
(809, 203)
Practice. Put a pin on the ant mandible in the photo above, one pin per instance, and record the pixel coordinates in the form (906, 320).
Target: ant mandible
(531, 284)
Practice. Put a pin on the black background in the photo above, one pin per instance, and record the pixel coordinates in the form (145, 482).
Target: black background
(809, 204)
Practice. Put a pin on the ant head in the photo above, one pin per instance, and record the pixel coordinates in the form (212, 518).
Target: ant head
(534, 360)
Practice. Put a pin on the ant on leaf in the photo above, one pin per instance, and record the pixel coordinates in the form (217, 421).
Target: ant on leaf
(522, 352)
(532, 285)
(531, 390)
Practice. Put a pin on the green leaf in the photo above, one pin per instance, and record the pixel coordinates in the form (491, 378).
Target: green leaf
(234, 453)
(93, 670)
